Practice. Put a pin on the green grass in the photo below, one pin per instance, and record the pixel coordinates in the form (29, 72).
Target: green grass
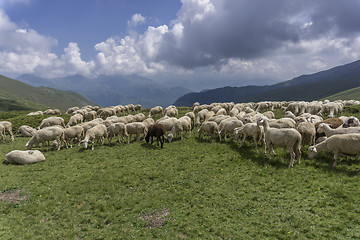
(190, 189)
(351, 94)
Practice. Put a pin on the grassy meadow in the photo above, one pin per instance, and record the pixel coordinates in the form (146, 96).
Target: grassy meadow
(190, 189)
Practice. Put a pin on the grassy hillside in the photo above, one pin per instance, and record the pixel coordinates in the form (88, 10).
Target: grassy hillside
(191, 189)
(15, 95)
(350, 94)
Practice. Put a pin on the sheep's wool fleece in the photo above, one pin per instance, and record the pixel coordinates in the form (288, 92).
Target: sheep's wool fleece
(24, 157)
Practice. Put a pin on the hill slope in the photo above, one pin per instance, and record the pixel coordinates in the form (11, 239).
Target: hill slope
(15, 95)
(350, 94)
(305, 87)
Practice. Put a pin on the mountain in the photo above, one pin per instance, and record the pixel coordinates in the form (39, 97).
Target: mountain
(351, 94)
(113, 90)
(16, 95)
(305, 87)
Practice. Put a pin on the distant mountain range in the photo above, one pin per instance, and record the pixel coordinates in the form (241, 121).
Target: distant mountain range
(16, 95)
(305, 87)
(113, 90)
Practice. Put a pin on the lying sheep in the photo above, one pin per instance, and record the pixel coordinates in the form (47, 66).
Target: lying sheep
(136, 128)
(249, 129)
(52, 121)
(337, 144)
(158, 131)
(117, 130)
(46, 134)
(211, 128)
(24, 157)
(8, 128)
(26, 131)
(325, 128)
(98, 132)
(281, 137)
(72, 133)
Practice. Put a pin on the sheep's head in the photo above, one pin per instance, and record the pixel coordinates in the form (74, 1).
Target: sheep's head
(312, 152)
(85, 143)
(170, 137)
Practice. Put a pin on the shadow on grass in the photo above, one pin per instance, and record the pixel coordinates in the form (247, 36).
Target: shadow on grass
(151, 146)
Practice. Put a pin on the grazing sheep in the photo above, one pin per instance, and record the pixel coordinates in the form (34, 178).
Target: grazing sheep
(148, 122)
(289, 114)
(201, 116)
(180, 125)
(72, 133)
(8, 128)
(26, 131)
(138, 117)
(24, 157)
(333, 122)
(249, 129)
(52, 121)
(337, 144)
(171, 112)
(228, 126)
(98, 132)
(72, 109)
(46, 134)
(351, 122)
(211, 128)
(2, 133)
(269, 114)
(158, 131)
(307, 131)
(91, 115)
(191, 115)
(281, 137)
(282, 123)
(75, 119)
(155, 110)
(136, 128)
(325, 128)
(117, 129)
(168, 123)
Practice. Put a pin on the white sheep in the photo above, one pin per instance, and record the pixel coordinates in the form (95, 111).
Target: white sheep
(351, 122)
(281, 137)
(211, 128)
(228, 126)
(117, 130)
(249, 129)
(289, 114)
(191, 115)
(98, 132)
(72, 133)
(155, 110)
(337, 144)
(148, 122)
(90, 115)
(8, 128)
(26, 131)
(171, 112)
(52, 121)
(2, 133)
(180, 125)
(75, 119)
(24, 157)
(325, 128)
(307, 131)
(46, 134)
(136, 128)
(201, 116)
(282, 123)
(168, 123)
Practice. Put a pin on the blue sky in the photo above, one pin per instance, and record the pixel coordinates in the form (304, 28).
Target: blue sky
(205, 43)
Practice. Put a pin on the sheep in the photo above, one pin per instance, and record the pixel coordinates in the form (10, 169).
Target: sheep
(8, 128)
(168, 123)
(136, 128)
(211, 128)
(180, 125)
(138, 117)
(72, 133)
(171, 112)
(289, 114)
(26, 131)
(52, 121)
(117, 129)
(2, 133)
(325, 128)
(201, 116)
(351, 122)
(228, 126)
(249, 129)
(191, 115)
(337, 144)
(269, 114)
(158, 131)
(333, 123)
(97, 132)
(307, 131)
(155, 110)
(72, 109)
(148, 122)
(24, 157)
(88, 116)
(283, 137)
(75, 119)
(46, 134)
(282, 123)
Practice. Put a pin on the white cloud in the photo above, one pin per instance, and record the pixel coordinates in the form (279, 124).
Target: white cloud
(136, 19)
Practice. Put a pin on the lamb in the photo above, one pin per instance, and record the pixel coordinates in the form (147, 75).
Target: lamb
(117, 129)
(97, 132)
(337, 144)
(283, 137)
(24, 157)
(26, 131)
(155, 110)
(325, 128)
(71, 133)
(211, 128)
(158, 131)
(52, 121)
(46, 134)
(8, 128)
(180, 125)
(228, 126)
(136, 128)
(75, 119)
(307, 131)
(249, 129)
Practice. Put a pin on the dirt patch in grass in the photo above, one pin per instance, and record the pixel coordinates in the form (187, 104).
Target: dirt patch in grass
(155, 219)
(13, 196)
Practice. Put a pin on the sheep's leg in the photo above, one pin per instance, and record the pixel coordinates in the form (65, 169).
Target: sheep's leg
(92, 144)
(138, 137)
(292, 154)
(257, 151)
(162, 140)
(109, 140)
(298, 154)
(336, 156)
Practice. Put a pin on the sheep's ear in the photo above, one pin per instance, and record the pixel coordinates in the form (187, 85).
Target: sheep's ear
(313, 149)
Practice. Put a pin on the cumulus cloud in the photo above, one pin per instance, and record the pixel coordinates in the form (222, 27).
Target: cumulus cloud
(136, 19)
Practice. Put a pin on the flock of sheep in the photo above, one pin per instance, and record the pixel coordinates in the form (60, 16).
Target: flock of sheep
(301, 125)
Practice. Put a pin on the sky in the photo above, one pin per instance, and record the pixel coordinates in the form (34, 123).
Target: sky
(201, 44)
